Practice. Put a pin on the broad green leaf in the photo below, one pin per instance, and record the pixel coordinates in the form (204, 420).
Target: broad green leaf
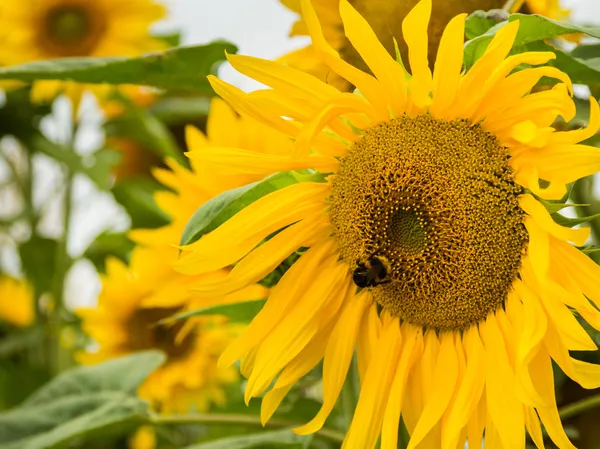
(570, 222)
(109, 244)
(240, 312)
(182, 68)
(532, 28)
(263, 440)
(81, 402)
(137, 197)
(218, 210)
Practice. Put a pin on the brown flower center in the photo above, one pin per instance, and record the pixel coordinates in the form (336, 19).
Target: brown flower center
(73, 28)
(436, 201)
(386, 16)
(146, 333)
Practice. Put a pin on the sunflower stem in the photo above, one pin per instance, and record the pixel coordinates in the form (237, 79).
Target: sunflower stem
(222, 418)
(576, 408)
(62, 266)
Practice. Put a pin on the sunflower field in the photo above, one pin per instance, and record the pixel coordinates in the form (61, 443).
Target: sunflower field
(385, 235)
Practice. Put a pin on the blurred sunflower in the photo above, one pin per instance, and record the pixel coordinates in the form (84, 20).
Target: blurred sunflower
(127, 320)
(16, 302)
(431, 208)
(135, 298)
(385, 18)
(33, 30)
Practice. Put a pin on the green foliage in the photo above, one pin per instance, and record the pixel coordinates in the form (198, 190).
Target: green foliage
(218, 210)
(147, 131)
(79, 403)
(136, 196)
(38, 256)
(109, 244)
(96, 166)
(581, 66)
(182, 68)
(241, 312)
(264, 440)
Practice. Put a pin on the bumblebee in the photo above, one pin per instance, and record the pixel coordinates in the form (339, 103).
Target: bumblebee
(371, 273)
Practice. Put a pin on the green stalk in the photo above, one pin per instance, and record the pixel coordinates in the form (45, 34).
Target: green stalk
(579, 407)
(221, 418)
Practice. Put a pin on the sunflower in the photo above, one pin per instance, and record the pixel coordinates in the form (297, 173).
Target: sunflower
(16, 302)
(135, 298)
(429, 248)
(385, 18)
(33, 30)
(127, 319)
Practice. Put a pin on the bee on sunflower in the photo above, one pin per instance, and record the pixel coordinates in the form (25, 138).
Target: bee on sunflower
(34, 30)
(385, 18)
(434, 203)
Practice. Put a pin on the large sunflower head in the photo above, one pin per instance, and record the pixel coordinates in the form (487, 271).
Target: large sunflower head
(17, 306)
(429, 249)
(33, 30)
(385, 18)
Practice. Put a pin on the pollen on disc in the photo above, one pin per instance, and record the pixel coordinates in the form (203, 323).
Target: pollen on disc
(437, 199)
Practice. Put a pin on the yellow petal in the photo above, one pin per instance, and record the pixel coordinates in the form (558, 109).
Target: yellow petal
(370, 330)
(411, 350)
(414, 30)
(541, 216)
(297, 328)
(469, 392)
(389, 73)
(541, 370)
(265, 258)
(448, 67)
(338, 356)
(582, 134)
(444, 381)
(366, 424)
(365, 83)
(281, 299)
(504, 408)
(532, 422)
(241, 233)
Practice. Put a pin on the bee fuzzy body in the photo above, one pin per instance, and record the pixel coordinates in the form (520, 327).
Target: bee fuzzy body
(371, 273)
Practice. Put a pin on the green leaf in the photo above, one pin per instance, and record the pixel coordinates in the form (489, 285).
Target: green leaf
(137, 197)
(570, 222)
(553, 207)
(590, 249)
(240, 312)
(38, 257)
(263, 440)
(18, 342)
(81, 402)
(174, 110)
(96, 166)
(481, 21)
(532, 28)
(109, 244)
(182, 68)
(218, 210)
(18, 115)
(148, 131)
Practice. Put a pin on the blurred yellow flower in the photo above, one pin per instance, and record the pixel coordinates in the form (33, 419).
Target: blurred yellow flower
(135, 298)
(143, 438)
(385, 17)
(33, 30)
(16, 302)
